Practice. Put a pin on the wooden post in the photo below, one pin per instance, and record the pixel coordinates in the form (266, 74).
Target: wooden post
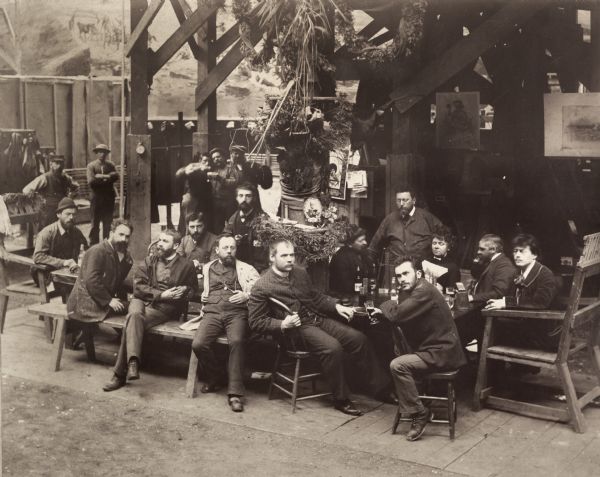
(139, 166)
(207, 112)
(595, 47)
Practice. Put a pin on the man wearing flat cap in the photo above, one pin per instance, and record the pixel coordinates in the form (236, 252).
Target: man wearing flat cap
(53, 185)
(58, 244)
(101, 176)
(224, 180)
(250, 171)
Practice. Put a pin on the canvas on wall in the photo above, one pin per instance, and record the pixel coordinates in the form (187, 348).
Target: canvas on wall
(572, 125)
(338, 165)
(457, 120)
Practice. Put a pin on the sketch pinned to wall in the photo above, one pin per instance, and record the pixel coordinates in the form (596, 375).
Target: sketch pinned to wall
(338, 165)
(457, 120)
(572, 124)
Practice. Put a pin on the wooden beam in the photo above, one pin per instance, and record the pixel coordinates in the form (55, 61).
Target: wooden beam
(224, 68)
(444, 67)
(143, 25)
(231, 35)
(183, 11)
(181, 36)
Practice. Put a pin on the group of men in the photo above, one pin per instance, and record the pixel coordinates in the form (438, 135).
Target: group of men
(247, 287)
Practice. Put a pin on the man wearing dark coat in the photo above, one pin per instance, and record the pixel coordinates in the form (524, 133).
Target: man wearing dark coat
(98, 290)
(311, 322)
(241, 223)
(162, 285)
(428, 328)
(54, 185)
(254, 173)
(533, 288)
(101, 177)
(494, 273)
(224, 179)
(197, 195)
(198, 245)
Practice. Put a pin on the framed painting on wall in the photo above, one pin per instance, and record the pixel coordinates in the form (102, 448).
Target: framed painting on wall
(338, 166)
(572, 125)
(457, 120)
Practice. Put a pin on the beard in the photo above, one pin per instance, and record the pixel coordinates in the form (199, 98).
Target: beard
(163, 252)
(120, 246)
(245, 207)
(196, 236)
(228, 261)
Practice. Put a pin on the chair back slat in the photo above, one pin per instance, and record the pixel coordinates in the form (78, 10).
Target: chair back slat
(591, 251)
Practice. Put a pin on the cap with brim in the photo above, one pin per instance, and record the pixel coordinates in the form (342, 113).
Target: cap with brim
(101, 147)
(66, 203)
(215, 149)
(241, 149)
(57, 158)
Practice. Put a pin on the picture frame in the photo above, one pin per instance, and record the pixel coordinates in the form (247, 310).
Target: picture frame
(457, 121)
(338, 169)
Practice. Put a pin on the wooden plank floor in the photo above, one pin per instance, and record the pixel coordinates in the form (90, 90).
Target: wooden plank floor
(488, 443)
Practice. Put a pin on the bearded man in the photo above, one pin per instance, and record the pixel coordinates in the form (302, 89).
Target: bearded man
(406, 231)
(199, 244)
(162, 284)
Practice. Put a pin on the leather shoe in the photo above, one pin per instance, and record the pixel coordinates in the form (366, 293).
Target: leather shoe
(347, 407)
(236, 404)
(209, 388)
(115, 383)
(419, 421)
(133, 369)
(388, 398)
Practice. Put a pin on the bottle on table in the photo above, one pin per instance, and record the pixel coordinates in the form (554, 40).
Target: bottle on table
(394, 290)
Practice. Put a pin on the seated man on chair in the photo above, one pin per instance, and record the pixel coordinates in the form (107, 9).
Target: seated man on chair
(227, 285)
(58, 244)
(428, 328)
(324, 336)
(161, 286)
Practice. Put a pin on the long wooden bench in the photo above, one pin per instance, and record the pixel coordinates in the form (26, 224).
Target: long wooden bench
(58, 311)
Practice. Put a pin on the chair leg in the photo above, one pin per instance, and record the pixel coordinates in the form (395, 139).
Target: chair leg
(482, 371)
(3, 309)
(59, 342)
(451, 408)
(396, 420)
(295, 386)
(48, 328)
(575, 413)
(88, 340)
(593, 347)
(191, 385)
(274, 373)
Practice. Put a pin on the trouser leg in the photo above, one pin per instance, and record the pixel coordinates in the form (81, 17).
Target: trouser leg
(209, 329)
(356, 344)
(107, 216)
(237, 331)
(95, 218)
(331, 355)
(403, 369)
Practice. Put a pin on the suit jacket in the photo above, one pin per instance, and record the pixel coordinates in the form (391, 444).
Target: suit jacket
(295, 291)
(536, 291)
(428, 326)
(249, 248)
(100, 279)
(246, 277)
(495, 281)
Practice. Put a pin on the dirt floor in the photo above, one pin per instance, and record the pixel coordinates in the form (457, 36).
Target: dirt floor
(51, 430)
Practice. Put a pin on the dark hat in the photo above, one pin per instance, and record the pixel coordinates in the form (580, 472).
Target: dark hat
(353, 232)
(54, 158)
(66, 203)
(215, 149)
(101, 147)
(238, 148)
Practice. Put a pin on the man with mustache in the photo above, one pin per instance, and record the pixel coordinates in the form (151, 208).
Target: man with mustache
(54, 185)
(227, 285)
(241, 223)
(162, 284)
(406, 231)
(254, 173)
(224, 180)
(428, 327)
(58, 244)
(98, 291)
(199, 244)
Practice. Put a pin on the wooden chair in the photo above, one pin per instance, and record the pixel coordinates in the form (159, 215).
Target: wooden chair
(575, 316)
(448, 401)
(24, 288)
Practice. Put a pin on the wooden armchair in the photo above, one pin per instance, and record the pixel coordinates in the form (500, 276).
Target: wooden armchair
(24, 288)
(575, 316)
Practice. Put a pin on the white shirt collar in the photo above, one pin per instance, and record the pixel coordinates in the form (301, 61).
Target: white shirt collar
(528, 269)
(412, 212)
(496, 255)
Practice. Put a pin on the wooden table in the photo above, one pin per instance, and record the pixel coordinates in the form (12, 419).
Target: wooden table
(64, 276)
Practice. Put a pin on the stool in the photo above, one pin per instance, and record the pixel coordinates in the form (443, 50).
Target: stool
(295, 358)
(450, 399)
